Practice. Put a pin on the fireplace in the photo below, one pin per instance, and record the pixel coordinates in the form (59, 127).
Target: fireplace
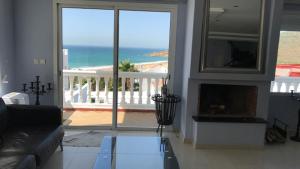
(216, 100)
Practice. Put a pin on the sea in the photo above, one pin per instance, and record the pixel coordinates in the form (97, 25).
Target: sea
(91, 56)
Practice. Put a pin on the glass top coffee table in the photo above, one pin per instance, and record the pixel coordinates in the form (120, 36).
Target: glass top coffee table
(128, 152)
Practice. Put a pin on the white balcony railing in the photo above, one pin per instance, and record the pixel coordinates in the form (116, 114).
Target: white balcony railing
(86, 89)
(285, 84)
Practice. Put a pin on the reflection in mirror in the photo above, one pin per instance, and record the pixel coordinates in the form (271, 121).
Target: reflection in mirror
(233, 29)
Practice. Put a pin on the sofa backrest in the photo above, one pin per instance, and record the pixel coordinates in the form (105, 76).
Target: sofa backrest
(3, 116)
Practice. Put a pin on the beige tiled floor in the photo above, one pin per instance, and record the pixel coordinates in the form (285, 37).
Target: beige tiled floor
(104, 118)
(271, 157)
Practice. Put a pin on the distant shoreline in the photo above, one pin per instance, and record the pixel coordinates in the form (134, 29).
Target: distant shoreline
(163, 53)
(157, 66)
(85, 57)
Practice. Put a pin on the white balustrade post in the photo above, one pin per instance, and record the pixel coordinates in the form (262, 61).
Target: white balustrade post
(136, 98)
(64, 96)
(148, 90)
(80, 99)
(290, 86)
(106, 80)
(71, 79)
(140, 90)
(97, 90)
(89, 98)
(282, 87)
(123, 90)
(297, 87)
(276, 87)
(285, 84)
(131, 90)
(156, 85)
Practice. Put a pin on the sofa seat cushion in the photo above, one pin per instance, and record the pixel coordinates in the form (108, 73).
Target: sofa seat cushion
(48, 146)
(17, 162)
(23, 140)
(3, 116)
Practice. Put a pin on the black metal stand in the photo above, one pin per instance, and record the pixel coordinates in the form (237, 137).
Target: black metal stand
(37, 89)
(165, 110)
(296, 137)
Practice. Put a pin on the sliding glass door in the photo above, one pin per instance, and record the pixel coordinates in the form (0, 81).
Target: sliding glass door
(88, 57)
(143, 61)
(113, 62)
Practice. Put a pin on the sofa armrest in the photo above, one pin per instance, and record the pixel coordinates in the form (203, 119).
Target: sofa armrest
(34, 115)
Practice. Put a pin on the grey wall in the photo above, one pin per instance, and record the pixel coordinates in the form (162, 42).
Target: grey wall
(178, 69)
(192, 77)
(291, 17)
(34, 36)
(284, 108)
(187, 63)
(34, 39)
(7, 45)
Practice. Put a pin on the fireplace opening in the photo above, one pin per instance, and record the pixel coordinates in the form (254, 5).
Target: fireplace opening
(218, 100)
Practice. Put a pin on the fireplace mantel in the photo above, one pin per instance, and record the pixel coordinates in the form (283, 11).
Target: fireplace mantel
(214, 133)
(206, 127)
(229, 119)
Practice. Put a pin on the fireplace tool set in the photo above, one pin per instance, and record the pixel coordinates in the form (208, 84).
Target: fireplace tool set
(165, 105)
(37, 88)
(297, 135)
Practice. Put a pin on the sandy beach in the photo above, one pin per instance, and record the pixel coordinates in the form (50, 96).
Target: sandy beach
(159, 67)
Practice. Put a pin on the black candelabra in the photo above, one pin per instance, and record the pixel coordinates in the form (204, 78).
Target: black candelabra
(37, 88)
(297, 135)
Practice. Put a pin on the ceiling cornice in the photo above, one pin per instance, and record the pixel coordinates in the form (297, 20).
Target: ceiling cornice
(292, 1)
(152, 1)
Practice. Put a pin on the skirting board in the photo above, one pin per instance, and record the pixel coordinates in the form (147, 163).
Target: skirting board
(184, 139)
(228, 135)
(202, 146)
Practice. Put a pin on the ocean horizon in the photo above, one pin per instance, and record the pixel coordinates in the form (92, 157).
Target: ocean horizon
(94, 56)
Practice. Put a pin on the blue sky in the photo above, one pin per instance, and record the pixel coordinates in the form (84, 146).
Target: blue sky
(94, 27)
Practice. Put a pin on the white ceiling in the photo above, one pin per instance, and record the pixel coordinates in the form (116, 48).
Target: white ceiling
(240, 16)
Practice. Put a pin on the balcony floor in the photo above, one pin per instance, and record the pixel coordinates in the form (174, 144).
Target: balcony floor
(79, 118)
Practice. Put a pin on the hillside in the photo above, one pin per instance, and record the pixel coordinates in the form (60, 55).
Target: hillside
(164, 53)
(289, 48)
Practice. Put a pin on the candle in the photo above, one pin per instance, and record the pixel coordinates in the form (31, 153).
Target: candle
(292, 93)
(43, 89)
(49, 86)
(24, 87)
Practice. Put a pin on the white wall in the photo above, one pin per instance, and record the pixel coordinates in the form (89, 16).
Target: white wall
(7, 65)
(33, 36)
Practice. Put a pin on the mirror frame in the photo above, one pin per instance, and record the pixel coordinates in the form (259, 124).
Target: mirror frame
(260, 49)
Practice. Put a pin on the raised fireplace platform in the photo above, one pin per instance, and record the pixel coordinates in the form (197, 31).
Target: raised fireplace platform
(230, 114)
(229, 119)
(234, 133)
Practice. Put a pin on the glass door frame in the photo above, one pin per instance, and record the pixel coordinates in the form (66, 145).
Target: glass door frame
(58, 5)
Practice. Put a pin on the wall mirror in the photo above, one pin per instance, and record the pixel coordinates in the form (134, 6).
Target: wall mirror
(232, 36)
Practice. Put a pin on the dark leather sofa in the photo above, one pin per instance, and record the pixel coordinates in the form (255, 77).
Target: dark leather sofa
(29, 135)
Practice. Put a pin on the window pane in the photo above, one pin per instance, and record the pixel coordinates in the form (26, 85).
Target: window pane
(88, 36)
(144, 50)
(288, 60)
(144, 40)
